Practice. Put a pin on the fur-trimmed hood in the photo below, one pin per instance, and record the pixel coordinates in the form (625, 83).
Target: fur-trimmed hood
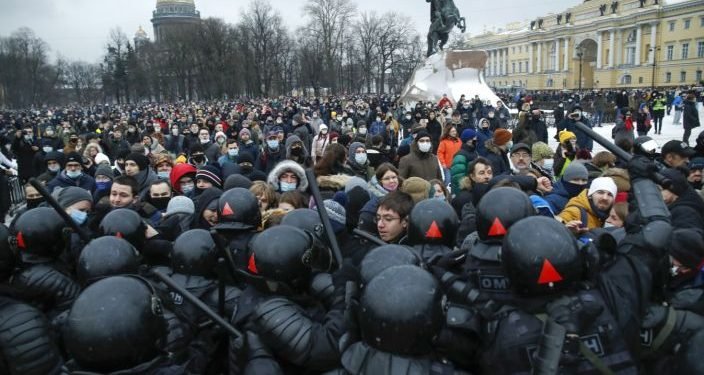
(334, 182)
(492, 147)
(288, 166)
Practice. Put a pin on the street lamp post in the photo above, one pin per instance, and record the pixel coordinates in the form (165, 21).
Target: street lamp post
(653, 50)
(580, 54)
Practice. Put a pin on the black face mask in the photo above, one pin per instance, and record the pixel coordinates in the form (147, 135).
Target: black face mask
(246, 168)
(34, 203)
(199, 159)
(121, 165)
(160, 203)
(296, 151)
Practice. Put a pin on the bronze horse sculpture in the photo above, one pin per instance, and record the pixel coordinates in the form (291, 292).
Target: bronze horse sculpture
(444, 17)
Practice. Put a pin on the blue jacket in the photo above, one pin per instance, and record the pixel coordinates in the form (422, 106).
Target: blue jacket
(62, 180)
(483, 135)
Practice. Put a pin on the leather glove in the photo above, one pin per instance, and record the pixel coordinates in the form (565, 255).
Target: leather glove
(641, 167)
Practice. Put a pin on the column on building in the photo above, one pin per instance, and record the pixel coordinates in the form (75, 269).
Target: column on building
(639, 37)
(500, 55)
(490, 63)
(612, 52)
(653, 31)
(540, 62)
(566, 51)
(557, 54)
(507, 62)
(529, 68)
(598, 49)
(620, 49)
(493, 64)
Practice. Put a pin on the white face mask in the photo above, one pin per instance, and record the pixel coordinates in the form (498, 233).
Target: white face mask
(548, 163)
(424, 147)
(608, 225)
(360, 158)
(378, 119)
(174, 131)
(362, 131)
(408, 117)
(47, 149)
(204, 141)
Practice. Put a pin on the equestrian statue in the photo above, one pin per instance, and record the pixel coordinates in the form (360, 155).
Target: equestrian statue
(444, 16)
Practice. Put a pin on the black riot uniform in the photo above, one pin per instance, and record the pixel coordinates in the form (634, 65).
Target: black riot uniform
(287, 331)
(432, 230)
(238, 219)
(565, 324)
(498, 210)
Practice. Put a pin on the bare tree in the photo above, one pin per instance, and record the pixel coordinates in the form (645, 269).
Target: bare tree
(366, 32)
(83, 78)
(328, 20)
(392, 39)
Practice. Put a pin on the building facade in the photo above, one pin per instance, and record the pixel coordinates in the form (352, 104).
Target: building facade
(173, 16)
(607, 43)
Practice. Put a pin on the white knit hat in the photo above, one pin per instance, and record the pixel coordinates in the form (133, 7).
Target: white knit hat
(603, 183)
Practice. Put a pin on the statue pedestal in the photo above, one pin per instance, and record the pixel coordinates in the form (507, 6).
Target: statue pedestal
(449, 72)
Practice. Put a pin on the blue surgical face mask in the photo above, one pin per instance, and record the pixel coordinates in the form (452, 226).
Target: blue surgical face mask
(287, 186)
(164, 175)
(233, 152)
(187, 188)
(79, 217)
(103, 185)
(273, 144)
(74, 174)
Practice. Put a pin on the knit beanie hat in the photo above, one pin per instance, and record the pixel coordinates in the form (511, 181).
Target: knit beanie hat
(73, 157)
(245, 157)
(687, 246)
(140, 159)
(603, 183)
(106, 171)
(417, 188)
(620, 177)
(502, 137)
(467, 134)
(353, 182)
(575, 171)
(245, 131)
(541, 151)
(237, 180)
(163, 158)
(180, 205)
(101, 158)
(566, 135)
(211, 174)
(337, 214)
(70, 195)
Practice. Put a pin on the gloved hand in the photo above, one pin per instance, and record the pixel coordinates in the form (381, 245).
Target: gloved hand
(641, 167)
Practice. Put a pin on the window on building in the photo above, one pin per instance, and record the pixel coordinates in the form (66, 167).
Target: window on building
(699, 76)
(687, 24)
(683, 76)
(672, 25)
(700, 49)
(701, 22)
(670, 52)
(668, 77)
(520, 48)
(607, 55)
(513, 67)
(513, 50)
(626, 79)
(549, 83)
(640, 79)
(630, 55)
(685, 51)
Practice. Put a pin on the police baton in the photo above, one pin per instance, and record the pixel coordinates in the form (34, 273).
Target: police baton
(55, 205)
(313, 183)
(618, 151)
(198, 303)
(368, 236)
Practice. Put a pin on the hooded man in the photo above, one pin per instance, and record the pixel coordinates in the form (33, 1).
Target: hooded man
(137, 167)
(297, 151)
(590, 208)
(421, 162)
(288, 176)
(572, 182)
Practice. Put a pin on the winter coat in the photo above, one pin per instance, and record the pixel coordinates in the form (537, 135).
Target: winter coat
(447, 150)
(690, 116)
(25, 157)
(420, 164)
(62, 180)
(375, 188)
(144, 179)
(583, 140)
(560, 195)
(498, 158)
(304, 158)
(269, 158)
(251, 148)
(175, 144)
(525, 134)
(483, 135)
(320, 143)
(578, 208)
(460, 164)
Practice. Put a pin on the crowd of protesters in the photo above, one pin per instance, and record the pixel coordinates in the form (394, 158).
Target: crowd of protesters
(443, 177)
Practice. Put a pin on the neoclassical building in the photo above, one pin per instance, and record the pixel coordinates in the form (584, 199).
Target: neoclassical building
(608, 43)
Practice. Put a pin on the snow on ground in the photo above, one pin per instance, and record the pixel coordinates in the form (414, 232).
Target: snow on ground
(669, 131)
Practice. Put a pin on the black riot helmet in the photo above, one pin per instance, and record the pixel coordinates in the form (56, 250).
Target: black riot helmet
(106, 256)
(282, 254)
(8, 258)
(383, 257)
(541, 257)
(499, 209)
(195, 254)
(645, 146)
(115, 324)
(433, 222)
(39, 232)
(238, 208)
(306, 219)
(400, 311)
(125, 223)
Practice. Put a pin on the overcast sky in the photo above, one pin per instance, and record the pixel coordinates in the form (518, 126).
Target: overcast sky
(79, 29)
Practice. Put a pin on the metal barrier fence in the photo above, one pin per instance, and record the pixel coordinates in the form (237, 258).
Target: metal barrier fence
(16, 190)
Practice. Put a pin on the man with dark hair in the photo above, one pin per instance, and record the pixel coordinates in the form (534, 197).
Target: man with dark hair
(124, 192)
(392, 216)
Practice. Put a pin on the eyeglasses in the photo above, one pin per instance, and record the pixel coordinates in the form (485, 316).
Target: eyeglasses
(385, 219)
(390, 178)
(522, 155)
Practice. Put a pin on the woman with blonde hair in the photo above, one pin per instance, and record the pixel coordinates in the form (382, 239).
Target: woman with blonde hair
(266, 196)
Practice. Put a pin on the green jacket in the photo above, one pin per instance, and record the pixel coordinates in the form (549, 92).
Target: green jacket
(460, 165)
